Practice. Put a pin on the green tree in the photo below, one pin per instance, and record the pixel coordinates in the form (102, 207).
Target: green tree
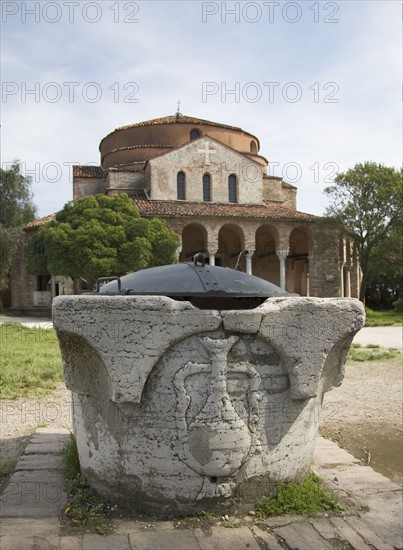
(100, 236)
(16, 208)
(367, 204)
(385, 274)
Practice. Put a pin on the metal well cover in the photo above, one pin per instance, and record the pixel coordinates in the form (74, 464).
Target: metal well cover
(193, 279)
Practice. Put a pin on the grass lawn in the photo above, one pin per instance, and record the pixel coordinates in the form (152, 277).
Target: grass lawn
(389, 318)
(30, 361)
(364, 354)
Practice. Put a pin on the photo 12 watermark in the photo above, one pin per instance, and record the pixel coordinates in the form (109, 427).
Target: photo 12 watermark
(270, 92)
(69, 92)
(270, 12)
(69, 12)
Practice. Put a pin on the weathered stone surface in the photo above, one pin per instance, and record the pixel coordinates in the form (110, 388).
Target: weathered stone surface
(302, 536)
(33, 494)
(179, 410)
(240, 538)
(268, 538)
(108, 542)
(164, 540)
(39, 462)
(349, 534)
(29, 543)
(30, 527)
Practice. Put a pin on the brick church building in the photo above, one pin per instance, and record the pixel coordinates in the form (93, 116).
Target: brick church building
(211, 185)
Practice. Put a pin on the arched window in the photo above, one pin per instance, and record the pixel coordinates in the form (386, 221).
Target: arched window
(253, 147)
(194, 134)
(232, 194)
(181, 186)
(206, 188)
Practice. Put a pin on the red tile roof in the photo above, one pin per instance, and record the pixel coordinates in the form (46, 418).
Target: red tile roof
(39, 222)
(84, 171)
(223, 210)
(179, 119)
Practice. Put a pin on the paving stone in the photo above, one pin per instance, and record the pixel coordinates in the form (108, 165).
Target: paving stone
(386, 528)
(368, 534)
(223, 538)
(108, 542)
(328, 453)
(51, 447)
(280, 521)
(127, 526)
(70, 543)
(268, 538)
(53, 431)
(45, 438)
(39, 462)
(388, 504)
(31, 527)
(33, 494)
(164, 540)
(302, 536)
(324, 527)
(29, 543)
(349, 534)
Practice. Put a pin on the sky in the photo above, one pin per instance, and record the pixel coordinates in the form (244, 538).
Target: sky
(319, 83)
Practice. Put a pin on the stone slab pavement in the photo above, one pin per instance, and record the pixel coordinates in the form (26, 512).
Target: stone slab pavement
(34, 499)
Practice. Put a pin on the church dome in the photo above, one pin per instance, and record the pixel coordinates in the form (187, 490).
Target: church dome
(145, 140)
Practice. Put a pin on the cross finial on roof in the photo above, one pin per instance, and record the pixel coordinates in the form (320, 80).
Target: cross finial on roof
(178, 111)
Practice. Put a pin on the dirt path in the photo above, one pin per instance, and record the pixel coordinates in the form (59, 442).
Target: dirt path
(364, 415)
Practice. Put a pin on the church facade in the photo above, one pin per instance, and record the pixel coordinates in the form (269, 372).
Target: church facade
(211, 185)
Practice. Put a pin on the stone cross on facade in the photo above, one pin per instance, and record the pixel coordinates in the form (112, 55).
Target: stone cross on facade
(207, 152)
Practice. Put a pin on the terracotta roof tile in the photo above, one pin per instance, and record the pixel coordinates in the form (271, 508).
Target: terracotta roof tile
(133, 167)
(211, 209)
(179, 119)
(39, 222)
(84, 171)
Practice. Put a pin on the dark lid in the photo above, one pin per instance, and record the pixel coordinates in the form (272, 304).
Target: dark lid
(192, 279)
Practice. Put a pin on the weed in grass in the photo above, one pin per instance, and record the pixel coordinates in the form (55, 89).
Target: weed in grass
(309, 497)
(85, 507)
(30, 362)
(6, 467)
(70, 458)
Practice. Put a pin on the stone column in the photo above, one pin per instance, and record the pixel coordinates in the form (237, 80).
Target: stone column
(178, 253)
(341, 280)
(282, 256)
(211, 258)
(249, 261)
(53, 286)
(347, 290)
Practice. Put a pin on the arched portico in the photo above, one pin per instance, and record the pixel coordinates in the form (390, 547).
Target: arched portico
(231, 241)
(194, 240)
(297, 266)
(265, 263)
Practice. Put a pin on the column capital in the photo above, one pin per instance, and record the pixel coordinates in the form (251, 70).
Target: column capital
(282, 253)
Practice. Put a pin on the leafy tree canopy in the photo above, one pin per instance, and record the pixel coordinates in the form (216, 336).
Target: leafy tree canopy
(16, 208)
(367, 203)
(100, 236)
